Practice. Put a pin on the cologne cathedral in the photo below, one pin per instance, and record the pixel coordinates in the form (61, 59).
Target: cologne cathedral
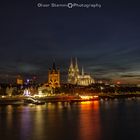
(78, 78)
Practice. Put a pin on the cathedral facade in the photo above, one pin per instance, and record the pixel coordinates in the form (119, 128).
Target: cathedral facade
(78, 78)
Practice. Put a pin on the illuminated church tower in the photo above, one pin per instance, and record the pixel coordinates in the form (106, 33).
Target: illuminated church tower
(71, 73)
(54, 77)
(75, 77)
(76, 68)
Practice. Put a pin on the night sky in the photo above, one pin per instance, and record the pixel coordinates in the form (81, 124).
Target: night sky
(106, 40)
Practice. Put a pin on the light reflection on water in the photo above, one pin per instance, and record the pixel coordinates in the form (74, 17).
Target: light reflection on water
(89, 121)
(95, 120)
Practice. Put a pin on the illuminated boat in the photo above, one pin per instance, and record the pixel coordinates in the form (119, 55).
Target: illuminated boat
(81, 98)
(33, 101)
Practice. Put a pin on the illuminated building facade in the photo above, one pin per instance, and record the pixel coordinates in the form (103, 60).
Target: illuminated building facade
(75, 77)
(19, 80)
(54, 77)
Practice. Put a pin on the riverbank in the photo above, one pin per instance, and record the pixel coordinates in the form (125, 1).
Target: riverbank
(6, 100)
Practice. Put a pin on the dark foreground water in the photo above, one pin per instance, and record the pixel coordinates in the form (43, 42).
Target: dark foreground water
(97, 120)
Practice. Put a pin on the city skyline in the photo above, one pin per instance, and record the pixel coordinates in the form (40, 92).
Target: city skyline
(105, 40)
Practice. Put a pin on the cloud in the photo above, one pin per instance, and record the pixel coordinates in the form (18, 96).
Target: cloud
(130, 76)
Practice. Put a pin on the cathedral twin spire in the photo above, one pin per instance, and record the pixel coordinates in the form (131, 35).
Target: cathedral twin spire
(75, 77)
(72, 68)
(76, 66)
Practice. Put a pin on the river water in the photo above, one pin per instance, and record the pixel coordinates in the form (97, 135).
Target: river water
(96, 120)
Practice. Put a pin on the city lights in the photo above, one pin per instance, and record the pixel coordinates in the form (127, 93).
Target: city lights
(86, 97)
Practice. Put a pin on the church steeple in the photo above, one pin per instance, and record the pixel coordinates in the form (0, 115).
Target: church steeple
(54, 76)
(71, 65)
(76, 67)
(71, 72)
(82, 71)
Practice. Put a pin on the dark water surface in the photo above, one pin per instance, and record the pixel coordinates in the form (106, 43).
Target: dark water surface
(97, 120)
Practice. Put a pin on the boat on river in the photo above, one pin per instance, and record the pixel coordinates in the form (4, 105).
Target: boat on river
(31, 100)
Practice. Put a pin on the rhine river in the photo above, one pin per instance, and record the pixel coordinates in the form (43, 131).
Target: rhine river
(95, 120)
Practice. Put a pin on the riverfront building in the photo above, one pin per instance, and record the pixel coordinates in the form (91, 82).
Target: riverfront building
(19, 80)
